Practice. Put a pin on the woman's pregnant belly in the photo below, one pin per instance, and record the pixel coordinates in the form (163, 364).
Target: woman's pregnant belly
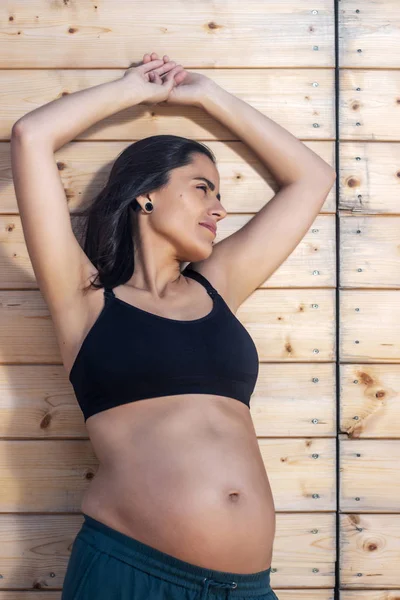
(185, 475)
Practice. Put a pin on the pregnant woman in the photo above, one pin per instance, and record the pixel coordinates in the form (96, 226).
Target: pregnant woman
(180, 507)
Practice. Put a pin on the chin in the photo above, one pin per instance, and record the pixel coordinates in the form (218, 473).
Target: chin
(198, 255)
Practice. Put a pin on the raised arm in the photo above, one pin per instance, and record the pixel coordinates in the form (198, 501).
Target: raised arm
(240, 263)
(61, 267)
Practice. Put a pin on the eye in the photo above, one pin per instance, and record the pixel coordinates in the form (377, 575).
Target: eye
(202, 187)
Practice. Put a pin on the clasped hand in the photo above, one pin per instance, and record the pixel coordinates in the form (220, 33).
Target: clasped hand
(161, 80)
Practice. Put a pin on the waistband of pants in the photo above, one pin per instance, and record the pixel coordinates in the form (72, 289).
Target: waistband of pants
(168, 567)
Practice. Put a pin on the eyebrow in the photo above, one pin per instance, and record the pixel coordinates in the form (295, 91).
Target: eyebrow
(210, 185)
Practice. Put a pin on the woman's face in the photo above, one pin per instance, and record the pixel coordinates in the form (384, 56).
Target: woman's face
(183, 204)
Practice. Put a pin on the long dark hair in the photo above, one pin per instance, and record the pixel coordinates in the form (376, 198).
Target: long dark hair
(142, 167)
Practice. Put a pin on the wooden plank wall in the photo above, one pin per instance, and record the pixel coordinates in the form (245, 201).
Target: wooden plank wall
(309, 320)
(369, 280)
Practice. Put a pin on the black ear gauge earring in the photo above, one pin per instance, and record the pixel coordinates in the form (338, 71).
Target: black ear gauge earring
(148, 207)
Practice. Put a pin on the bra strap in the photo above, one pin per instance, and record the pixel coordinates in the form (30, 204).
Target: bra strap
(201, 279)
(108, 292)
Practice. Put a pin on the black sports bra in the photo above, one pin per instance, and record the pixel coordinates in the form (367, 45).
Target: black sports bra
(130, 354)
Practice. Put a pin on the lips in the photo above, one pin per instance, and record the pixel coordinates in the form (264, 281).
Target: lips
(210, 227)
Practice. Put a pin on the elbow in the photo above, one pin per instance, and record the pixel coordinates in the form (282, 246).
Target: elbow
(322, 177)
(19, 129)
(328, 176)
(16, 128)
(332, 173)
(328, 172)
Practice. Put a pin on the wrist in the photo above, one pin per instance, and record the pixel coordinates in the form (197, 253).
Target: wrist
(128, 95)
(213, 95)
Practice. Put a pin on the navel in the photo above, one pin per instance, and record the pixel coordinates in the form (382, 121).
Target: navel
(234, 496)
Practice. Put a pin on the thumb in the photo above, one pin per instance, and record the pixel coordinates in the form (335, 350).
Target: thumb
(169, 80)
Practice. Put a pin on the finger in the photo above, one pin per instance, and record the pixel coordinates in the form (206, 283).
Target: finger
(172, 73)
(151, 56)
(165, 57)
(180, 76)
(147, 57)
(177, 69)
(154, 78)
(161, 75)
(175, 72)
(149, 66)
(165, 67)
(154, 56)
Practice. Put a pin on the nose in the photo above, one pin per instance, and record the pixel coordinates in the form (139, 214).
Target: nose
(221, 211)
(218, 211)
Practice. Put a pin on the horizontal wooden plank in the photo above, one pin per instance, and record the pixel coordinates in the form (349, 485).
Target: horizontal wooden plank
(39, 476)
(110, 34)
(369, 35)
(370, 400)
(295, 594)
(84, 168)
(374, 106)
(311, 264)
(295, 400)
(283, 595)
(369, 554)
(34, 335)
(301, 472)
(290, 325)
(38, 401)
(36, 546)
(52, 475)
(288, 96)
(369, 251)
(367, 594)
(304, 550)
(369, 178)
(370, 475)
(369, 326)
(35, 595)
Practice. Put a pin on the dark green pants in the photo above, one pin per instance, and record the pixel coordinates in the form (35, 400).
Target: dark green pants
(106, 564)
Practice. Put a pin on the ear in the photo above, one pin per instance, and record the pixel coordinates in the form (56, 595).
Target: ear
(141, 200)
